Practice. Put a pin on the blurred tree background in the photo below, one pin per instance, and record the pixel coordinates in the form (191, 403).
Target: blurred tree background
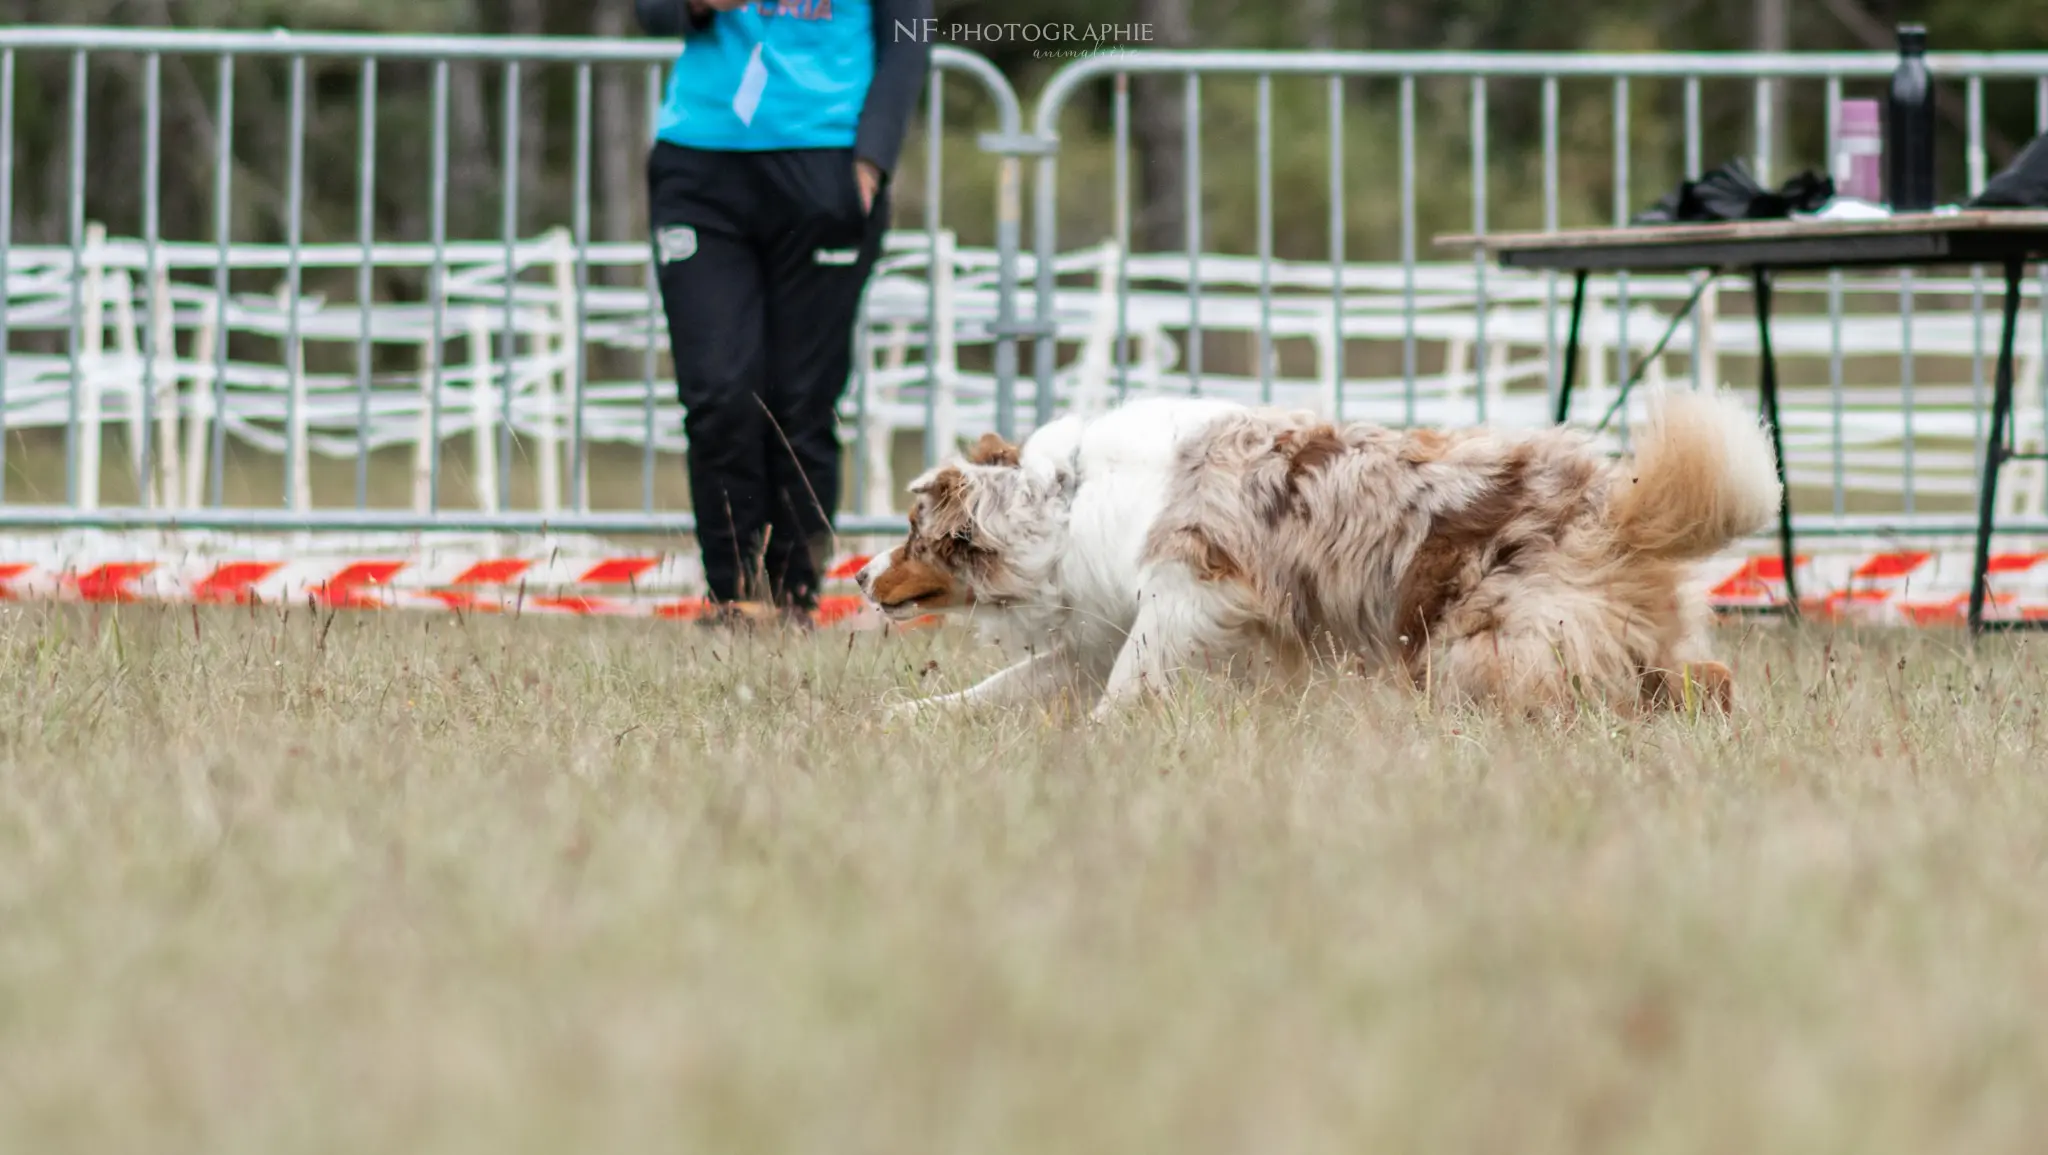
(1592, 188)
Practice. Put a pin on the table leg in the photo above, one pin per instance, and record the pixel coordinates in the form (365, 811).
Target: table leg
(1994, 448)
(1767, 386)
(1571, 347)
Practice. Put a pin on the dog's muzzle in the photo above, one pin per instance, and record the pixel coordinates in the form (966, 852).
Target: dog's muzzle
(866, 578)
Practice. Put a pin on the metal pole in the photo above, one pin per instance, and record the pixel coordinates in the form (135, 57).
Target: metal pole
(152, 228)
(6, 243)
(1408, 229)
(366, 238)
(223, 229)
(1337, 237)
(1264, 148)
(72, 433)
(437, 281)
(508, 232)
(1479, 346)
(295, 195)
(934, 184)
(580, 221)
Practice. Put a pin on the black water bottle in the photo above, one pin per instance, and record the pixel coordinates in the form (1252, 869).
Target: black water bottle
(1909, 127)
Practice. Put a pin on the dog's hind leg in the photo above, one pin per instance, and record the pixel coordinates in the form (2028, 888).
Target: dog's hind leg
(1531, 670)
(1182, 621)
(1495, 667)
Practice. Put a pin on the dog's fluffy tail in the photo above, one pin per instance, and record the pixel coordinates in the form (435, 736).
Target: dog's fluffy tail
(1703, 477)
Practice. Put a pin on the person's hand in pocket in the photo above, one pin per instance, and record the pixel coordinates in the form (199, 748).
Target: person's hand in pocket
(869, 178)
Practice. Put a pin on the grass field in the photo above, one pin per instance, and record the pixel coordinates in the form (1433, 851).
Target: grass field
(275, 883)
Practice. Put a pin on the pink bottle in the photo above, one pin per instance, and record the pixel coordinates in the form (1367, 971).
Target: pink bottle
(1859, 152)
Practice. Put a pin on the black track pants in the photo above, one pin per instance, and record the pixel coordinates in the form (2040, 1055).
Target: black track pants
(761, 259)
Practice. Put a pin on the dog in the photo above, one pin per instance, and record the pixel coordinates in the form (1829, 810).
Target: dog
(1525, 569)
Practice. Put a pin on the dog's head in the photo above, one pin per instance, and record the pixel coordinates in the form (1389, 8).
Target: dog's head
(981, 534)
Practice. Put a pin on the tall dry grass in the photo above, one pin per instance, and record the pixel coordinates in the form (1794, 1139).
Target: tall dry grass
(278, 883)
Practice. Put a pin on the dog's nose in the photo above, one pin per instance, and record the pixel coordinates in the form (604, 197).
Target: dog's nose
(861, 579)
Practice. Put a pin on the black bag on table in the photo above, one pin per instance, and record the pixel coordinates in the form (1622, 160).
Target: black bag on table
(1731, 193)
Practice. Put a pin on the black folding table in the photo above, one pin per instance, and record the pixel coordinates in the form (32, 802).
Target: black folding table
(2003, 238)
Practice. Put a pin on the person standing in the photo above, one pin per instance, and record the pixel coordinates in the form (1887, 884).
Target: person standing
(768, 186)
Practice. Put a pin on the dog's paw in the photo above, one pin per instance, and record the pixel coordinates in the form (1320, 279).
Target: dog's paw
(1694, 688)
(1713, 685)
(906, 711)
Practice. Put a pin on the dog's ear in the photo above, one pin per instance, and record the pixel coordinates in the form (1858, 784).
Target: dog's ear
(993, 450)
(943, 484)
(945, 493)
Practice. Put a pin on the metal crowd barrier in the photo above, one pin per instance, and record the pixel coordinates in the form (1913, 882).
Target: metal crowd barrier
(1103, 319)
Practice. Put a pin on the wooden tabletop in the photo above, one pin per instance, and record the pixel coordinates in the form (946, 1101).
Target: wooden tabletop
(1972, 236)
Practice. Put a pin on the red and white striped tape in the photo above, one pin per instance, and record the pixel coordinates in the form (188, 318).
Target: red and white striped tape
(1897, 587)
(644, 586)
(1889, 588)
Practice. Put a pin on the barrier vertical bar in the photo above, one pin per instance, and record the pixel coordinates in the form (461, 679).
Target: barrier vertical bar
(1624, 354)
(1550, 348)
(579, 214)
(152, 228)
(1907, 453)
(73, 483)
(1835, 380)
(1974, 153)
(1045, 343)
(1765, 145)
(1337, 238)
(2041, 291)
(297, 487)
(656, 323)
(1692, 172)
(1479, 347)
(1973, 149)
(366, 288)
(1906, 371)
(934, 126)
(509, 116)
(1264, 147)
(1408, 248)
(223, 229)
(6, 243)
(483, 440)
(1120, 117)
(437, 215)
(1692, 127)
(1009, 226)
(1191, 189)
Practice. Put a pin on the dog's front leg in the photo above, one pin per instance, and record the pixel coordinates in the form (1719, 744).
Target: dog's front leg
(1128, 678)
(1035, 678)
(1181, 620)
